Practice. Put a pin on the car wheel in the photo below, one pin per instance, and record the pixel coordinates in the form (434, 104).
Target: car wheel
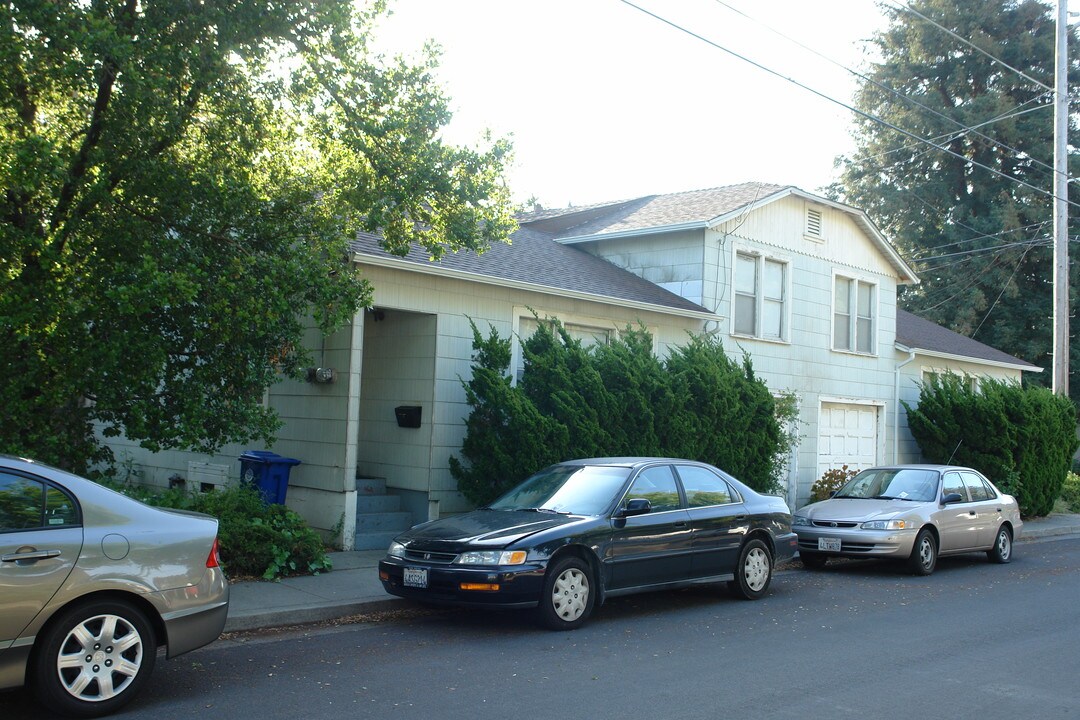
(923, 558)
(569, 594)
(1001, 553)
(813, 561)
(94, 658)
(753, 573)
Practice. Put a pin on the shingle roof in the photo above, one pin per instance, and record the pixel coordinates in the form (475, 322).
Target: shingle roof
(535, 258)
(652, 211)
(916, 333)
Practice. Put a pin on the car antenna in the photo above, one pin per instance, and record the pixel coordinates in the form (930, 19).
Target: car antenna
(954, 451)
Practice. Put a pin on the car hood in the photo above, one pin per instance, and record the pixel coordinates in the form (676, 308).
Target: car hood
(494, 528)
(854, 510)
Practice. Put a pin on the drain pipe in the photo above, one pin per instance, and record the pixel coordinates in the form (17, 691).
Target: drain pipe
(896, 408)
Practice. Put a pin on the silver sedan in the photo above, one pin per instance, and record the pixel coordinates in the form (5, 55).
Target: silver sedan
(92, 583)
(913, 513)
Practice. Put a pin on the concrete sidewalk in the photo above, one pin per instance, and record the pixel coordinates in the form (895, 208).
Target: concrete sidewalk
(353, 586)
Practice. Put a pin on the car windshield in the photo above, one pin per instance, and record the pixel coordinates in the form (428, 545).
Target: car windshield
(574, 489)
(892, 484)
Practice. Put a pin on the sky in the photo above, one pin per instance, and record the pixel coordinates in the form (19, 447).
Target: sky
(604, 102)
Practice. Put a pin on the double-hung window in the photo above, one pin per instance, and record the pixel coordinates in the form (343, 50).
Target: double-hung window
(760, 297)
(854, 315)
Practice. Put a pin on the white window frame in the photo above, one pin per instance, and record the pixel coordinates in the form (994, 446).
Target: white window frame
(569, 320)
(853, 313)
(973, 381)
(760, 259)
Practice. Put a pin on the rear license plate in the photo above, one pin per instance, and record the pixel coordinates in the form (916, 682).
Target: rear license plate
(415, 577)
(828, 544)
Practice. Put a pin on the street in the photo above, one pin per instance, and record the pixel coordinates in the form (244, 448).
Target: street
(855, 640)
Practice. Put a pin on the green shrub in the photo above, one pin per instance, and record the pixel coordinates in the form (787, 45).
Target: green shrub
(256, 539)
(1021, 438)
(1070, 492)
(829, 482)
(615, 399)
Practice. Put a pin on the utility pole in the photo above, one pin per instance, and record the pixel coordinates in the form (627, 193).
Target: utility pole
(1061, 209)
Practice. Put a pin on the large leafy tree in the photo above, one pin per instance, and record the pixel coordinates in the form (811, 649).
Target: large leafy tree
(972, 209)
(178, 185)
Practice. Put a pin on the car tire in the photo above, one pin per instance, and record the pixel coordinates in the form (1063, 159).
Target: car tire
(93, 658)
(1001, 553)
(569, 594)
(813, 561)
(753, 572)
(923, 558)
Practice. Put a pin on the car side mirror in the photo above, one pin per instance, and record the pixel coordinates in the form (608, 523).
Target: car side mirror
(635, 506)
(952, 498)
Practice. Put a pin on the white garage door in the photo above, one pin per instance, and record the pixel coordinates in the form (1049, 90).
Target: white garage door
(848, 435)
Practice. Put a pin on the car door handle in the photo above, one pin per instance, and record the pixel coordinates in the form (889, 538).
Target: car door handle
(740, 518)
(680, 525)
(30, 556)
(972, 513)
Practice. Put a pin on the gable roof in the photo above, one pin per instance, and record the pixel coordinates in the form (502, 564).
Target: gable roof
(695, 209)
(928, 338)
(536, 262)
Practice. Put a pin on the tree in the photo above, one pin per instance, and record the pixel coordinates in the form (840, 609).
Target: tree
(973, 214)
(180, 182)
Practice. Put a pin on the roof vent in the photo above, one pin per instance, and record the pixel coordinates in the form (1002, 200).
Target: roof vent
(813, 222)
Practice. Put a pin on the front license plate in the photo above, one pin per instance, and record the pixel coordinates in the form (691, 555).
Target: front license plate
(828, 544)
(415, 577)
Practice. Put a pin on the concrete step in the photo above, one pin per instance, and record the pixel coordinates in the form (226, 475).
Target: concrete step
(383, 522)
(374, 540)
(370, 486)
(378, 504)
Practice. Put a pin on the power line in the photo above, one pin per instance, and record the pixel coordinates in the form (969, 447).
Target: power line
(822, 95)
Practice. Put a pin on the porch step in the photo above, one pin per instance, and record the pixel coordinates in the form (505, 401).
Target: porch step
(377, 504)
(382, 522)
(379, 517)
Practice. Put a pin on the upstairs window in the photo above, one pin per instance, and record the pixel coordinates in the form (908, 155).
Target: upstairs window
(760, 297)
(854, 315)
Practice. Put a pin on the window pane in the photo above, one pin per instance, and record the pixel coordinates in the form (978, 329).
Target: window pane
(746, 274)
(772, 319)
(866, 297)
(841, 331)
(745, 315)
(657, 485)
(587, 336)
(21, 503)
(953, 484)
(842, 295)
(774, 280)
(864, 328)
(59, 509)
(704, 487)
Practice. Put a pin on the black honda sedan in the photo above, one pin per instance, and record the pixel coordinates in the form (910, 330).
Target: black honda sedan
(581, 531)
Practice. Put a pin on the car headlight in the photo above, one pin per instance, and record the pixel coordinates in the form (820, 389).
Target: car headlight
(491, 557)
(884, 525)
(396, 549)
(800, 520)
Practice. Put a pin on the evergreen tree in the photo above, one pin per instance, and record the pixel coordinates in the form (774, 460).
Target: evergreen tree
(979, 241)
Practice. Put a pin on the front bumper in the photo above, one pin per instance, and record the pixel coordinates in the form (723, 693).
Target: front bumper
(519, 586)
(856, 542)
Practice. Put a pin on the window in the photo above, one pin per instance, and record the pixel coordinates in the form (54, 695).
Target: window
(587, 335)
(760, 297)
(31, 505)
(854, 304)
(704, 487)
(657, 485)
(813, 223)
(978, 487)
(953, 484)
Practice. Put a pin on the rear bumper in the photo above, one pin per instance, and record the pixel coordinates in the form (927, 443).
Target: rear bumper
(518, 587)
(195, 615)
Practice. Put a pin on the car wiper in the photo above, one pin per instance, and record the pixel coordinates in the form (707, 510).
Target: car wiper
(892, 497)
(545, 510)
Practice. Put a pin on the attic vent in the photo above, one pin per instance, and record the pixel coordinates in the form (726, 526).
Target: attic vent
(813, 222)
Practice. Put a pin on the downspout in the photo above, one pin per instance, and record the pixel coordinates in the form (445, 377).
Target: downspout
(896, 408)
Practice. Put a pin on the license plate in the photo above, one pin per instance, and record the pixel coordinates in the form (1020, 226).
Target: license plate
(828, 544)
(415, 577)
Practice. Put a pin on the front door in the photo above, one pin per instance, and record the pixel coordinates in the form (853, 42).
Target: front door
(655, 547)
(957, 522)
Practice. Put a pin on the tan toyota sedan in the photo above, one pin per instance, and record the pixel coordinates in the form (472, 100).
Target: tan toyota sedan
(913, 513)
(92, 583)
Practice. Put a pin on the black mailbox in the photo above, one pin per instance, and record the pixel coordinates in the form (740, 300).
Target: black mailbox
(408, 416)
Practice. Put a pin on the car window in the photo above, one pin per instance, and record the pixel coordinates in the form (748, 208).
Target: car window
(27, 504)
(657, 485)
(913, 484)
(953, 484)
(976, 486)
(704, 487)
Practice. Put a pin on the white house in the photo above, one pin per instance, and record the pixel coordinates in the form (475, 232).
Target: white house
(808, 286)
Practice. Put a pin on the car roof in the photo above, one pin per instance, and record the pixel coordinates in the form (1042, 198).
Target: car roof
(630, 461)
(921, 466)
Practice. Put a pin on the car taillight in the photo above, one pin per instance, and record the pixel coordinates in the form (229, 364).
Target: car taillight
(214, 560)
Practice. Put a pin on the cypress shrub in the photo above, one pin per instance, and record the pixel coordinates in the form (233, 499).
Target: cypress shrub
(1021, 438)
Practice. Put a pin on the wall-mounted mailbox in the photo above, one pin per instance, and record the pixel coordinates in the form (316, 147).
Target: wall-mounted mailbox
(408, 416)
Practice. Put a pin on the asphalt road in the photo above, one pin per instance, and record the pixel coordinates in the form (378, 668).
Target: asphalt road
(856, 640)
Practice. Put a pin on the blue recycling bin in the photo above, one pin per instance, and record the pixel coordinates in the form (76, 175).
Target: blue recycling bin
(267, 471)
